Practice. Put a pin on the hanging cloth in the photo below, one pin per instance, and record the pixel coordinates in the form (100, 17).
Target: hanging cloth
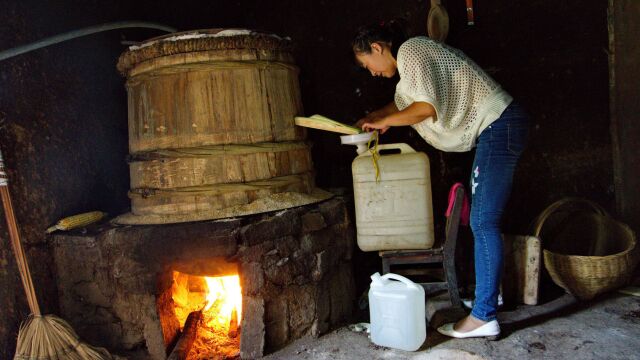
(465, 212)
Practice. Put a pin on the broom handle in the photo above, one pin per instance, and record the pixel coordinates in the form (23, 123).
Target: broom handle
(14, 236)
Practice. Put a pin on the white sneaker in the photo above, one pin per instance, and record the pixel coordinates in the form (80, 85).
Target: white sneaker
(468, 303)
(490, 330)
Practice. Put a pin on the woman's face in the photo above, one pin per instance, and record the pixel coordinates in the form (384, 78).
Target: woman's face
(379, 61)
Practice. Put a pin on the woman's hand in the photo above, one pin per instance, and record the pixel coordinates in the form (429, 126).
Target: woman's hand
(412, 114)
(375, 117)
(372, 116)
(371, 123)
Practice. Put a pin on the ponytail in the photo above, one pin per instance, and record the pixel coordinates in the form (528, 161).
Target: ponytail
(393, 33)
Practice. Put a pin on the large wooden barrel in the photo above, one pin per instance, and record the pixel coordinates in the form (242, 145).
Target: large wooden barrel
(204, 89)
(211, 125)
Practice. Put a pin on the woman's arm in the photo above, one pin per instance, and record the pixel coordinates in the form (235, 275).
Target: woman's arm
(413, 114)
(388, 109)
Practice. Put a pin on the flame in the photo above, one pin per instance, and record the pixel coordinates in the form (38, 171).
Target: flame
(224, 298)
(220, 300)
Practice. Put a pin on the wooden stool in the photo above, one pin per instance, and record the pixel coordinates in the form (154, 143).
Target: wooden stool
(444, 254)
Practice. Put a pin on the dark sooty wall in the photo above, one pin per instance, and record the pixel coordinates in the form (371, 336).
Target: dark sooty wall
(63, 108)
(63, 133)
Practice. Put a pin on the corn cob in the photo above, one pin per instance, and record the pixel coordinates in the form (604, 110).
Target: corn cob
(76, 221)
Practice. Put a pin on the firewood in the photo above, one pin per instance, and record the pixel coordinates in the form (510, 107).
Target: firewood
(188, 336)
(233, 324)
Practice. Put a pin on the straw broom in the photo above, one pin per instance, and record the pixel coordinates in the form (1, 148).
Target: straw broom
(41, 336)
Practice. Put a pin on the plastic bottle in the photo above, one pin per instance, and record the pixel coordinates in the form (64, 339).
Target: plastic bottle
(394, 213)
(397, 312)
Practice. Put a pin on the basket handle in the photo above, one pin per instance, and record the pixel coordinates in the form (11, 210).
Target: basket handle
(544, 215)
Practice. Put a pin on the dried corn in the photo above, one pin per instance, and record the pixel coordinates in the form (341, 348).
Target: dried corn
(76, 221)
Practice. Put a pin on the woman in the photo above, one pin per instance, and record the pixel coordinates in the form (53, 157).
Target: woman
(455, 106)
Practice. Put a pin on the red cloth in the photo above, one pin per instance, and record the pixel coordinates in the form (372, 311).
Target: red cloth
(465, 212)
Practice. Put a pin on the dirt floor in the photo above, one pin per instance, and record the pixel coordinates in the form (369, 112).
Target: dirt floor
(606, 328)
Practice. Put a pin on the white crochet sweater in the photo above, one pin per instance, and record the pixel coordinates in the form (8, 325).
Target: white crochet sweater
(466, 99)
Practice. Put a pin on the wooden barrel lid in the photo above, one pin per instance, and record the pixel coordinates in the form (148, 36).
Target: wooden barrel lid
(198, 41)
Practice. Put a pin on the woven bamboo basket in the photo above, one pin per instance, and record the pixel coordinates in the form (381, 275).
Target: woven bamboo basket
(586, 252)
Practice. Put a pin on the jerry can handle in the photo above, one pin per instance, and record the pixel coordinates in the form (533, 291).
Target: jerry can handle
(404, 148)
(409, 283)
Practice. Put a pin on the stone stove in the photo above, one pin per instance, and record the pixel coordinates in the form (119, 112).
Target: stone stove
(294, 265)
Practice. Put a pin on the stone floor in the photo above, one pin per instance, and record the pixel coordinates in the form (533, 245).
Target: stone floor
(606, 328)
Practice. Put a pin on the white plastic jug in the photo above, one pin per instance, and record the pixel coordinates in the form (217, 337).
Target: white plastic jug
(397, 312)
(395, 213)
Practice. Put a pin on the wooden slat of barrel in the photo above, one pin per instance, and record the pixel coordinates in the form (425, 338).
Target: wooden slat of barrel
(214, 197)
(218, 165)
(207, 105)
(282, 88)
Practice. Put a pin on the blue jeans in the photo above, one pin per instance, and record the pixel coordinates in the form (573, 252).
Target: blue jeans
(498, 149)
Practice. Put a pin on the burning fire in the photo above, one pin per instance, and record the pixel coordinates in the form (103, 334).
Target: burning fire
(220, 300)
(224, 300)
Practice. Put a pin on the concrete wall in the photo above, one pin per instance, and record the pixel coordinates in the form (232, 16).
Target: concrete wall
(63, 109)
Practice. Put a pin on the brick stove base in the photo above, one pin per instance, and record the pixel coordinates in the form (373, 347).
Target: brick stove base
(295, 271)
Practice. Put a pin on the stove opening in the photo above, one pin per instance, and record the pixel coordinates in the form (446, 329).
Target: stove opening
(219, 298)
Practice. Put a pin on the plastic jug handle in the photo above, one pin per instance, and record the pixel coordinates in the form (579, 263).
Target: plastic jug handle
(404, 148)
(409, 283)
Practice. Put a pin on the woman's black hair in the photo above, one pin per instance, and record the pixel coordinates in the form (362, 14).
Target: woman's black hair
(393, 33)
